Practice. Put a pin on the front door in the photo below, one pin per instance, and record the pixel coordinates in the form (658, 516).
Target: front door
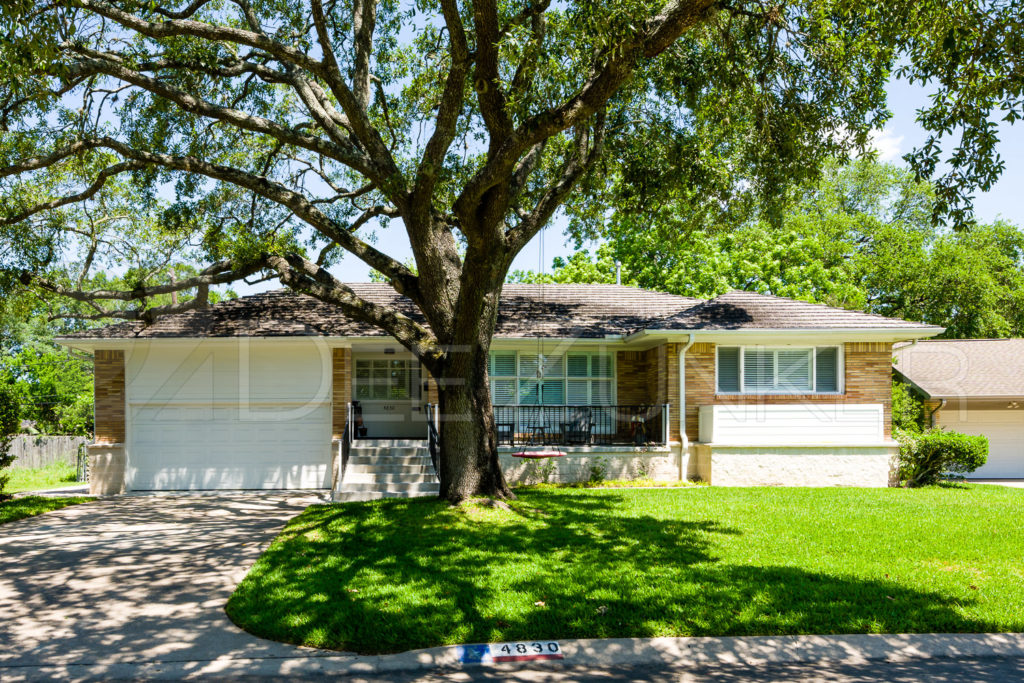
(388, 390)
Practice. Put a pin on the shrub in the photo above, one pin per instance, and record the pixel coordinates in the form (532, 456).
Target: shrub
(598, 470)
(643, 469)
(925, 457)
(10, 419)
(541, 471)
(907, 410)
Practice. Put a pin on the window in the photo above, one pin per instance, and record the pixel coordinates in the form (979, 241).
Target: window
(386, 380)
(789, 370)
(532, 379)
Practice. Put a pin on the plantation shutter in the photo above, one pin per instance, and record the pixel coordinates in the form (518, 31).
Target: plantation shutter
(827, 369)
(577, 365)
(758, 370)
(529, 364)
(601, 392)
(728, 369)
(503, 364)
(578, 393)
(503, 392)
(553, 392)
(793, 368)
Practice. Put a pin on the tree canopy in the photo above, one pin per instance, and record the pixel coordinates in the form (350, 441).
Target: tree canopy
(268, 138)
(861, 238)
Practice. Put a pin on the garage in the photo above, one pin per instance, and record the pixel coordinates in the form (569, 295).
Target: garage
(973, 386)
(234, 415)
(1005, 432)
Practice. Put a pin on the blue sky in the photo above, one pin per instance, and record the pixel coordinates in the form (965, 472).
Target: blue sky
(899, 136)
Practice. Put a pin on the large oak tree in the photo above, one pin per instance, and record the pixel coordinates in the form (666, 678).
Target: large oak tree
(267, 138)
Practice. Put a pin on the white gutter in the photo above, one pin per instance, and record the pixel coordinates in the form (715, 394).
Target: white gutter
(847, 334)
(683, 438)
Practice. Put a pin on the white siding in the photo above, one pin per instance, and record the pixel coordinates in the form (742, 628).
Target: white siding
(1005, 431)
(227, 415)
(792, 424)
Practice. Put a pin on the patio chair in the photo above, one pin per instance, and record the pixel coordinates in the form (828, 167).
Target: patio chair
(578, 428)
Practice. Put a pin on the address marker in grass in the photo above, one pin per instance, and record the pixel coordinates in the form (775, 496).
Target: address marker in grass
(521, 651)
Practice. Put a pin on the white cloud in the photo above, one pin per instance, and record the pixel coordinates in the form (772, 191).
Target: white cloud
(887, 143)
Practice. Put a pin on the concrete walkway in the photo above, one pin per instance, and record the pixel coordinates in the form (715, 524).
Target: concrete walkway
(135, 579)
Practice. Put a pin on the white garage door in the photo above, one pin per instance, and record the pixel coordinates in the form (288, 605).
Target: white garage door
(224, 417)
(1005, 432)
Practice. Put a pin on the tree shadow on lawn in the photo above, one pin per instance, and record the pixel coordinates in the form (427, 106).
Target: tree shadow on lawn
(405, 574)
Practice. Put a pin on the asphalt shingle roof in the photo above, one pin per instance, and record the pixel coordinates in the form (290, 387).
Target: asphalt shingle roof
(749, 310)
(587, 311)
(964, 368)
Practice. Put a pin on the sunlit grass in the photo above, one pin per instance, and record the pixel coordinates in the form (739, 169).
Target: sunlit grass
(51, 476)
(30, 506)
(395, 575)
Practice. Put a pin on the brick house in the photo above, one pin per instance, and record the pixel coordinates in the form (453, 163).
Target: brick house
(279, 390)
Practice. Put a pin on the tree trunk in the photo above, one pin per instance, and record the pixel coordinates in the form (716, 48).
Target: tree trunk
(469, 447)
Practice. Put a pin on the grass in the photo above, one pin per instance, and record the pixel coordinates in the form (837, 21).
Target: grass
(30, 506)
(398, 574)
(51, 476)
(610, 484)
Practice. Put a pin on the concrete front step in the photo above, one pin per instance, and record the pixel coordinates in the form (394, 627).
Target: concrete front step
(351, 496)
(390, 469)
(389, 443)
(387, 477)
(391, 486)
(388, 460)
(388, 451)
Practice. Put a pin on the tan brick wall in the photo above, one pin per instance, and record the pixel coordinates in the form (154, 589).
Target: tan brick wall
(109, 397)
(868, 380)
(651, 377)
(633, 382)
(341, 390)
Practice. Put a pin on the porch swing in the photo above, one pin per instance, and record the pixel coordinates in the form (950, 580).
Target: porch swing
(542, 451)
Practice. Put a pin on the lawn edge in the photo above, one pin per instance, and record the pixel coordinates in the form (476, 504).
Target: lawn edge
(76, 500)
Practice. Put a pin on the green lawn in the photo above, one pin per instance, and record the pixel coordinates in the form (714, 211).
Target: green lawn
(50, 477)
(30, 506)
(398, 574)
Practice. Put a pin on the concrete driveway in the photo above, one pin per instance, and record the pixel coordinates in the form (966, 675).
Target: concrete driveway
(134, 579)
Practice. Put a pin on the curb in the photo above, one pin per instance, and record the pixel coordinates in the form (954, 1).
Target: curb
(593, 653)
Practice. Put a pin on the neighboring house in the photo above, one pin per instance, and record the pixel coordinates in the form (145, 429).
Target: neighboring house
(974, 386)
(743, 389)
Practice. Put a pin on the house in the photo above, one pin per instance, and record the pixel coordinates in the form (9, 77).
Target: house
(279, 390)
(974, 386)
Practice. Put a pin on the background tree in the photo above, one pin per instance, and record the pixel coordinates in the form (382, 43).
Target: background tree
(862, 237)
(10, 421)
(282, 132)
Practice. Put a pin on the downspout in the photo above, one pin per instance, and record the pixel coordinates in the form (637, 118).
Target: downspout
(931, 416)
(684, 446)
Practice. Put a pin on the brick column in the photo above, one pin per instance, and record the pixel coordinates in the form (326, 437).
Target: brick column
(109, 397)
(700, 383)
(341, 390)
(107, 452)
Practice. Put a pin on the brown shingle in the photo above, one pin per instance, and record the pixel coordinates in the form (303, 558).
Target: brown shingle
(964, 368)
(749, 310)
(579, 311)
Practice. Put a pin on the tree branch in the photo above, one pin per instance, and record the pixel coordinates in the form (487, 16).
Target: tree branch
(656, 35)
(220, 273)
(588, 150)
(309, 278)
(101, 179)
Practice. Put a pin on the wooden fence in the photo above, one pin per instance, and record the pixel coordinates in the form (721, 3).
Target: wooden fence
(39, 451)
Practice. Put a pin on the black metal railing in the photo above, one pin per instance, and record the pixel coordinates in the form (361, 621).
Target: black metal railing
(433, 438)
(346, 441)
(618, 425)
